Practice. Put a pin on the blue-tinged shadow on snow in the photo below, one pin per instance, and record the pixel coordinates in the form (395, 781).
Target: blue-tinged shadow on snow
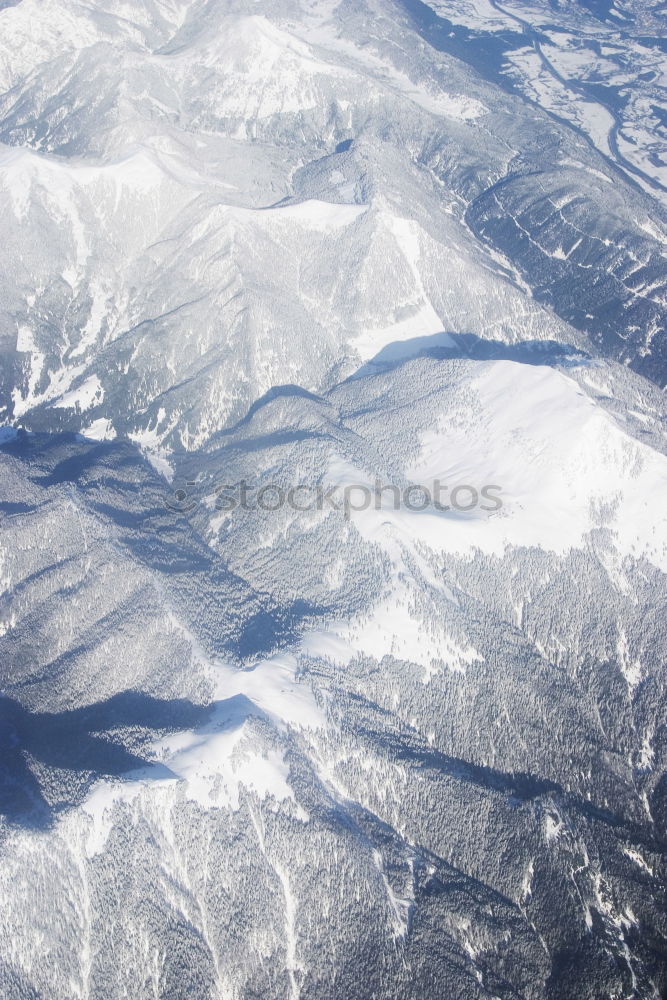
(468, 346)
(49, 760)
(117, 484)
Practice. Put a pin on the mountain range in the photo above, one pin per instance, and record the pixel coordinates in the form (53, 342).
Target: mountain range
(334, 454)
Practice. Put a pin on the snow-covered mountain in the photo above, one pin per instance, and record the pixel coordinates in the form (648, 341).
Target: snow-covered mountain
(333, 553)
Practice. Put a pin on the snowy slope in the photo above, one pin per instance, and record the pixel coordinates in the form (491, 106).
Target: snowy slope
(435, 666)
(384, 743)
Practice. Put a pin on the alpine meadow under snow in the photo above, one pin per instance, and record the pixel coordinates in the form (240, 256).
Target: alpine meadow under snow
(333, 552)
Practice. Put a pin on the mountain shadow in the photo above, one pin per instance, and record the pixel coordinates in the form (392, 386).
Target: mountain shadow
(468, 346)
(49, 760)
